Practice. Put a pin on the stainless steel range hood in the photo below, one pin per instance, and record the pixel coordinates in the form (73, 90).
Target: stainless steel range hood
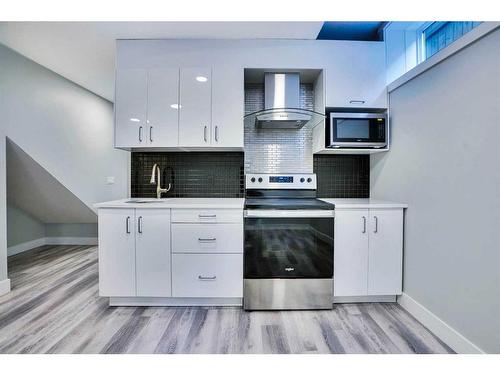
(282, 104)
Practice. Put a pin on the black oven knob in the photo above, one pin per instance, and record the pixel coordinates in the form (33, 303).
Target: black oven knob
(302, 179)
(252, 179)
(309, 179)
(260, 179)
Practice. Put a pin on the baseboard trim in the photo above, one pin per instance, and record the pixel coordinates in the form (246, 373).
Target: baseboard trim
(362, 299)
(4, 287)
(25, 246)
(436, 325)
(71, 240)
(174, 301)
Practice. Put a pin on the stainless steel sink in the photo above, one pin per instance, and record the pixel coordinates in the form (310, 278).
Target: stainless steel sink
(144, 201)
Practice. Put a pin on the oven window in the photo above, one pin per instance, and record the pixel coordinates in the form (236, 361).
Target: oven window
(288, 248)
(353, 128)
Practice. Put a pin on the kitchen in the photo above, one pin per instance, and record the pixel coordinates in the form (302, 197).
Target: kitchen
(268, 200)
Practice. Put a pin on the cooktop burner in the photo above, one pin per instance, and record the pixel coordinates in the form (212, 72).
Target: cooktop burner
(283, 192)
(287, 204)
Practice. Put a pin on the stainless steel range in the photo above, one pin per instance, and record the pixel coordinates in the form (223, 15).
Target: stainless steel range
(288, 254)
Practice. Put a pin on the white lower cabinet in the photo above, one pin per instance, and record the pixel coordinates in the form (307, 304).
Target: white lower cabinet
(207, 275)
(207, 238)
(116, 252)
(186, 253)
(134, 252)
(368, 252)
(152, 253)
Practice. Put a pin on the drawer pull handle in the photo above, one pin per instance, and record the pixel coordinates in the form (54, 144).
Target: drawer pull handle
(356, 101)
(206, 239)
(207, 216)
(207, 278)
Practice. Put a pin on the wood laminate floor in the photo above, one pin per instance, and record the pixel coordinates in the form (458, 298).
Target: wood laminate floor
(54, 307)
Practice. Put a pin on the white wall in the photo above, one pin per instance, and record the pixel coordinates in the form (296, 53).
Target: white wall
(444, 162)
(22, 227)
(3, 208)
(65, 128)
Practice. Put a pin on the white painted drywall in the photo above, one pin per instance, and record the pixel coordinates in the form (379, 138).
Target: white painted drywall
(444, 162)
(22, 227)
(34, 190)
(63, 127)
(3, 207)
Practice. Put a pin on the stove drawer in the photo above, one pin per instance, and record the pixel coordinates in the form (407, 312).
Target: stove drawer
(207, 275)
(196, 215)
(207, 238)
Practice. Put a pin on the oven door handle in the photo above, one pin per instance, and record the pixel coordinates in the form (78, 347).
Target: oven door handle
(289, 213)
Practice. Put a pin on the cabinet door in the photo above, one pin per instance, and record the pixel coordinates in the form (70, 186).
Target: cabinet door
(130, 107)
(153, 253)
(350, 274)
(356, 77)
(386, 252)
(163, 107)
(227, 107)
(196, 107)
(116, 252)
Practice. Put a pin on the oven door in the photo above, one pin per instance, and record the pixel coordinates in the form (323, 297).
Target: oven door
(288, 244)
(361, 130)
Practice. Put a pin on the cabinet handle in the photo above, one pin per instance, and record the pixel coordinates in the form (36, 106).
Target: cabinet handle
(151, 134)
(206, 278)
(216, 134)
(207, 239)
(127, 225)
(207, 216)
(140, 133)
(356, 101)
(364, 224)
(139, 224)
(205, 133)
(376, 224)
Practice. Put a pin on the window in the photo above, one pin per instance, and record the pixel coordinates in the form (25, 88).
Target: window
(438, 35)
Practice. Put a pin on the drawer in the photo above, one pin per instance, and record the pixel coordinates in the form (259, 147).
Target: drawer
(207, 275)
(207, 216)
(207, 238)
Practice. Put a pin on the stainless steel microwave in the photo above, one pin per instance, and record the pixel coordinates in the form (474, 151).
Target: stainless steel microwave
(357, 130)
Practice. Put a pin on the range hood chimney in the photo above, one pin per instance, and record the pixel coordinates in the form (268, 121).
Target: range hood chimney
(282, 103)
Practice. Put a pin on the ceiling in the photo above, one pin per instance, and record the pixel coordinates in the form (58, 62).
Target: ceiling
(84, 52)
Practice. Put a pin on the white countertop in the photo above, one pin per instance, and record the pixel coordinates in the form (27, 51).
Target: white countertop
(236, 203)
(363, 203)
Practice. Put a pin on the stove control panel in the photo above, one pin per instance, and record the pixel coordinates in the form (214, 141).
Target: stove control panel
(280, 181)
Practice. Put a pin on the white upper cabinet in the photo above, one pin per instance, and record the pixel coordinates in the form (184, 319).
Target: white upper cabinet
(385, 252)
(195, 118)
(131, 107)
(163, 108)
(356, 78)
(227, 107)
